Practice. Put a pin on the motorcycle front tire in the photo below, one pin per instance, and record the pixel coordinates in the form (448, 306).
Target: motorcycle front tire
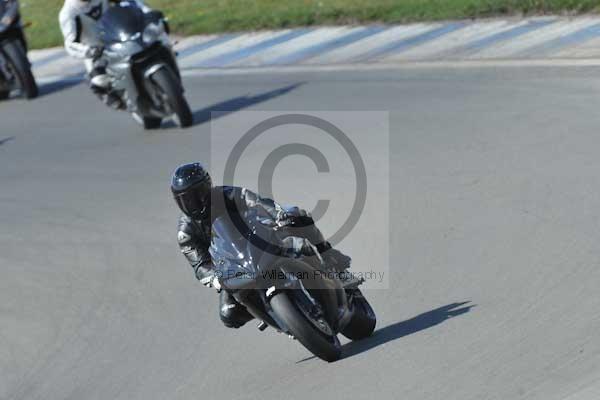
(325, 347)
(170, 86)
(18, 59)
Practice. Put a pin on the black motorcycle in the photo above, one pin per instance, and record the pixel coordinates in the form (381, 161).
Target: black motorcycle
(287, 292)
(142, 65)
(15, 69)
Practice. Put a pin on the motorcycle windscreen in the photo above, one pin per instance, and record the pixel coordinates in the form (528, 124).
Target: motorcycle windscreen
(228, 250)
(241, 245)
(121, 23)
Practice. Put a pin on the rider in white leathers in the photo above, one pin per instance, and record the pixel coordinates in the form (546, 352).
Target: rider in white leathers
(78, 23)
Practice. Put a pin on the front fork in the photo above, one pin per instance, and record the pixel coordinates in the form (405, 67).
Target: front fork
(7, 77)
(335, 308)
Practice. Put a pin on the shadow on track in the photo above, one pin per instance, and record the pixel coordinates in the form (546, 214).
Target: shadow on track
(403, 328)
(57, 86)
(227, 107)
(46, 89)
(6, 140)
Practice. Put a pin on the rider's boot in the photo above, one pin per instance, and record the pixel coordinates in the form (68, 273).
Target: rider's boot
(101, 85)
(232, 313)
(99, 79)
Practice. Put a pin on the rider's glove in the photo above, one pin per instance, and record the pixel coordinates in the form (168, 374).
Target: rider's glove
(300, 220)
(95, 52)
(283, 222)
(211, 281)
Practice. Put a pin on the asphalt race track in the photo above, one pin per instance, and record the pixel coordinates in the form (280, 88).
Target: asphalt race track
(493, 236)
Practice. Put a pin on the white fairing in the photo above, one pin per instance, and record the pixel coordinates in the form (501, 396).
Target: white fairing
(78, 23)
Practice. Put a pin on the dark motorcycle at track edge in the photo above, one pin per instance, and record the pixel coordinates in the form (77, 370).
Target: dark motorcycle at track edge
(15, 68)
(289, 294)
(142, 66)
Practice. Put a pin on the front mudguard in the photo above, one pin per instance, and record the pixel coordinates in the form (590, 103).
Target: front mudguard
(148, 100)
(149, 73)
(21, 44)
(304, 280)
(14, 32)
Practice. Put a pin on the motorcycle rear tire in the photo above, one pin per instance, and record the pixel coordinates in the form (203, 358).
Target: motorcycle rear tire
(152, 123)
(325, 347)
(18, 59)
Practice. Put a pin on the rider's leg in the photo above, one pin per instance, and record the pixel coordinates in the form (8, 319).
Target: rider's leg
(100, 83)
(99, 80)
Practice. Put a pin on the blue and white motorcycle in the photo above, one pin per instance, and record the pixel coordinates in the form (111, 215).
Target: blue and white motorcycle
(142, 65)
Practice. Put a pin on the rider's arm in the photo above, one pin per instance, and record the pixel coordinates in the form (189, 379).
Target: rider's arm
(273, 209)
(194, 248)
(70, 25)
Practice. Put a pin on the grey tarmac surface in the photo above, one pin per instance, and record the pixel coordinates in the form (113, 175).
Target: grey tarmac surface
(494, 202)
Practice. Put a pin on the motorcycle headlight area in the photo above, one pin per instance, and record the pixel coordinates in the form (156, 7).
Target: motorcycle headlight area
(152, 32)
(6, 21)
(9, 15)
(123, 49)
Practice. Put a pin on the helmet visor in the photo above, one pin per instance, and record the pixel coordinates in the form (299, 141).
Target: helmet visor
(193, 204)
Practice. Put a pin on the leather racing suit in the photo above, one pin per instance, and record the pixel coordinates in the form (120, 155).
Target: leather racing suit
(79, 25)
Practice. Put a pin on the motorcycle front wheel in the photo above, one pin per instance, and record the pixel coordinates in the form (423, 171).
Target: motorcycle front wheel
(325, 347)
(173, 94)
(17, 59)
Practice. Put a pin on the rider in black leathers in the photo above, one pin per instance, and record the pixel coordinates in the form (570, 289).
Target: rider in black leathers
(201, 203)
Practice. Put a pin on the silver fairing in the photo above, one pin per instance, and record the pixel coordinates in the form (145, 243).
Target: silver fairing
(119, 66)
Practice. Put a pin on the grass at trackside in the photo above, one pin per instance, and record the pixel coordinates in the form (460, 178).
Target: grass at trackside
(209, 16)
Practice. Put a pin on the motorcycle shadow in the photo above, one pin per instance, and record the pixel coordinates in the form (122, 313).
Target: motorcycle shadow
(49, 88)
(6, 140)
(404, 328)
(235, 104)
(46, 89)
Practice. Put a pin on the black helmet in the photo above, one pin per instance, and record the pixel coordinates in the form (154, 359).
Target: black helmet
(191, 186)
